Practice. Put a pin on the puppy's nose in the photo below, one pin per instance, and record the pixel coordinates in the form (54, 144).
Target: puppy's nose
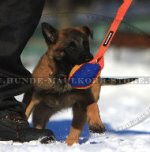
(88, 57)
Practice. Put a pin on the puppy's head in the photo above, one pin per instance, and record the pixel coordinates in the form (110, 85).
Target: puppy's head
(67, 47)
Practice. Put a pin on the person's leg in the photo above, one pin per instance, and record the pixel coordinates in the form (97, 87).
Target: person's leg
(18, 20)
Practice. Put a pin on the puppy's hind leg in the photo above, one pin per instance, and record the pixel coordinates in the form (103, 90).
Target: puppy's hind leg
(30, 107)
(29, 101)
(79, 119)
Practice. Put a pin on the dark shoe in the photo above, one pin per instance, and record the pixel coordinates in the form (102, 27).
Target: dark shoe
(14, 126)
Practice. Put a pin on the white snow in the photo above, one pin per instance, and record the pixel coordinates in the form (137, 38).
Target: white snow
(120, 107)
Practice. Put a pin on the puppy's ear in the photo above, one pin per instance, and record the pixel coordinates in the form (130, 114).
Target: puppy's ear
(86, 30)
(49, 33)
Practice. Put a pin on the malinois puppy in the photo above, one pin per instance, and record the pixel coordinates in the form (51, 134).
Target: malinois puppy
(52, 92)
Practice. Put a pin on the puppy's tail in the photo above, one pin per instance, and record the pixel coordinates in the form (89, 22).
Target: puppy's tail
(114, 81)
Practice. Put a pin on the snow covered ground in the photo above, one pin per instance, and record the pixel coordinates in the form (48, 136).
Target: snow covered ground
(120, 106)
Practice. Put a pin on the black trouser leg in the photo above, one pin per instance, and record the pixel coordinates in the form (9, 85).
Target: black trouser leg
(18, 20)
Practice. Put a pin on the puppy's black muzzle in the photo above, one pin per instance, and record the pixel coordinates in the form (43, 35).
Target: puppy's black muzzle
(78, 58)
(85, 57)
(88, 57)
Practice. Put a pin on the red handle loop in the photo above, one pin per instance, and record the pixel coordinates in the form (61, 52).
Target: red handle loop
(111, 32)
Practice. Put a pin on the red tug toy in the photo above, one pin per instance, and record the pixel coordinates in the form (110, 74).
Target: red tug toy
(84, 75)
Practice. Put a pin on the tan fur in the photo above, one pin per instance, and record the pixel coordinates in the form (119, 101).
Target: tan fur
(48, 98)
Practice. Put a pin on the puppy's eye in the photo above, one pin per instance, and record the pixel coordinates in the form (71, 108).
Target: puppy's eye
(86, 44)
(58, 58)
(72, 44)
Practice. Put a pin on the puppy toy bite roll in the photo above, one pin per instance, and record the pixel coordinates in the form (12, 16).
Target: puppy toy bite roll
(83, 76)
